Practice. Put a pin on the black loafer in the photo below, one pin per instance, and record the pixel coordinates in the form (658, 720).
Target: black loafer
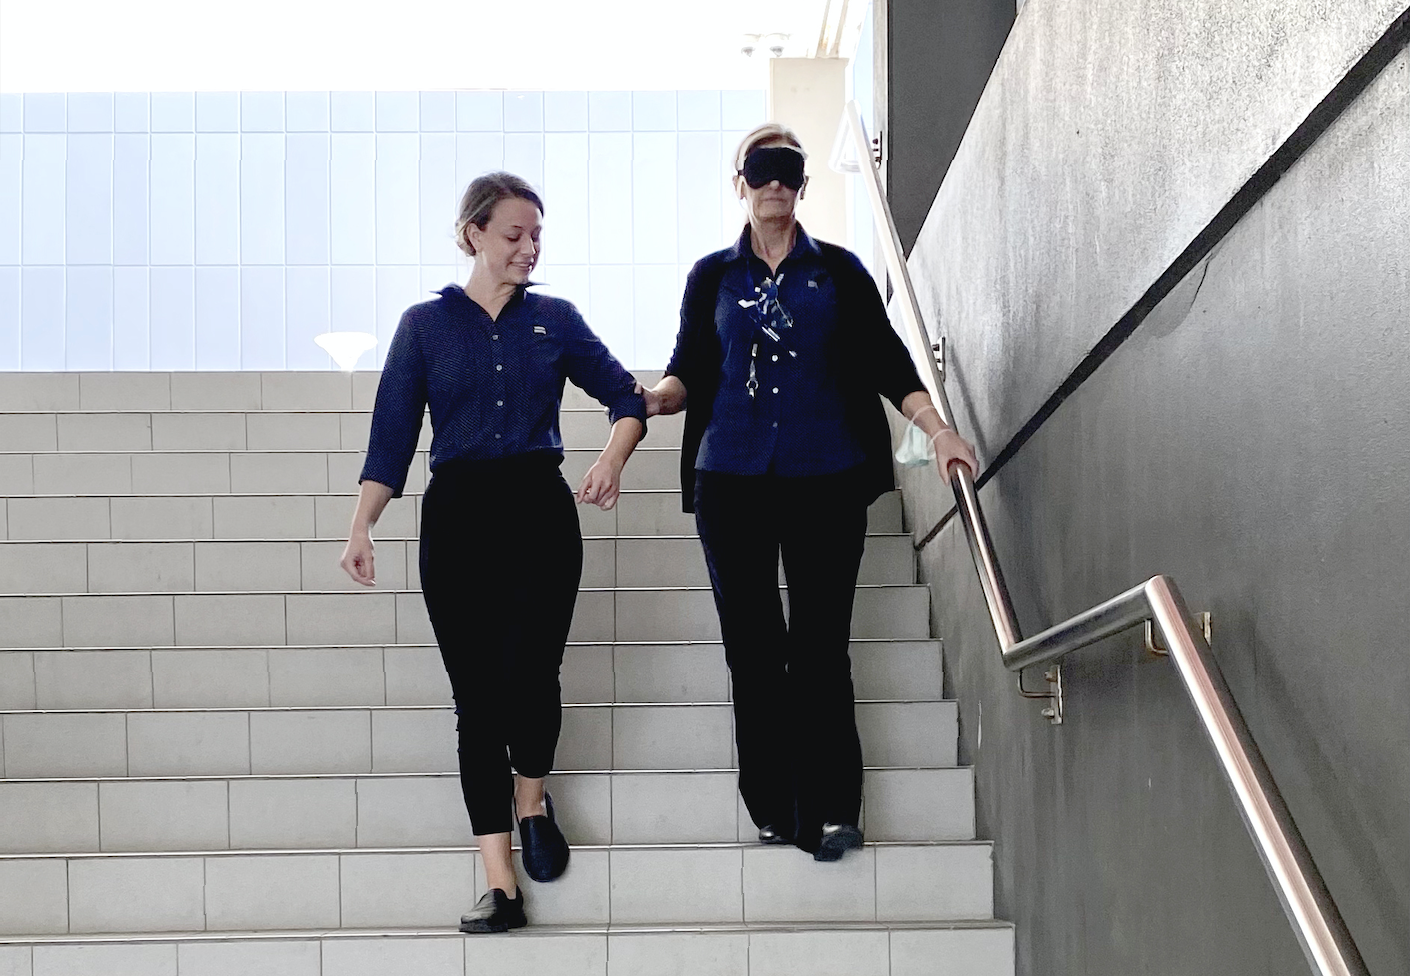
(770, 834)
(545, 847)
(495, 912)
(837, 839)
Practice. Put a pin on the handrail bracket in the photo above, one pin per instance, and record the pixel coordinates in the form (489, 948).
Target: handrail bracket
(1053, 711)
(1153, 646)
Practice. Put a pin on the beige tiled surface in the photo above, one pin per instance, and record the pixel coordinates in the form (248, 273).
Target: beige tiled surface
(295, 891)
(384, 957)
(561, 955)
(34, 896)
(956, 952)
(672, 737)
(427, 811)
(678, 953)
(109, 960)
(45, 519)
(43, 567)
(178, 744)
(38, 746)
(43, 818)
(916, 883)
(326, 676)
(124, 391)
(406, 890)
(164, 816)
(198, 432)
(104, 432)
(282, 958)
(140, 567)
(303, 742)
(210, 678)
(667, 808)
(93, 679)
(782, 884)
(704, 886)
(290, 813)
(161, 518)
(855, 953)
(156, 894)
(16, 680)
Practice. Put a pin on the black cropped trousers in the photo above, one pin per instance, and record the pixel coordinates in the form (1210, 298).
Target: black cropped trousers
(800, 758)
(501, 558)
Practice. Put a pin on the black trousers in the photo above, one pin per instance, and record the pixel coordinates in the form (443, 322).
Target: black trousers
(501, 557)
(800, 759)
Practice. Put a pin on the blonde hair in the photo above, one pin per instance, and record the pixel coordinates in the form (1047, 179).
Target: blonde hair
(481, 197)
(768, 132)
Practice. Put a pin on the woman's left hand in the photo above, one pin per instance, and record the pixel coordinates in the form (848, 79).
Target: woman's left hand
(601, 485)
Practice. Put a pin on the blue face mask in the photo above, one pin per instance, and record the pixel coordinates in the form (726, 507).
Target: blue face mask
(782, 163)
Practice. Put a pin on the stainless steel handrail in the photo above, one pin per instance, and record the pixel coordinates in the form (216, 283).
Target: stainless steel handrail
(1319, 926)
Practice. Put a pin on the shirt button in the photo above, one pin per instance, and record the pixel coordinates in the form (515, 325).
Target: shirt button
(775, 424)
(499, 403)
(494, 337)
(496, 437)
(498, 368)
(775, 389)
(775, 359)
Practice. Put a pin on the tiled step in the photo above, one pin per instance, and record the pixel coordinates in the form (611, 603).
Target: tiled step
(684, 885)
(410, 674)
(782, 949)
(158, 473)
(260, 430)
(253, 813)
(317, 514)
(398, 739)
(311, 565)
(389, 617)
(281, 390)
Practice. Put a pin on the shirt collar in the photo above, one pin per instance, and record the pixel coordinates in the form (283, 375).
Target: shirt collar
(456, 293)
(802, 244)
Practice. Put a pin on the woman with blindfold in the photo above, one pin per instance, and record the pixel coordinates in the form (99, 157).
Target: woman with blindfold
(783, 354)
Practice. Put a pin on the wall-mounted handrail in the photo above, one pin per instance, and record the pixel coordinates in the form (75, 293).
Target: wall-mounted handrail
(1318, 925)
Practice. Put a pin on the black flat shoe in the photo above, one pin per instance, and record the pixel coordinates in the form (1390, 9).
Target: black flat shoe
(545, 847)
(769, 834)
(495, 912)
(836, 840)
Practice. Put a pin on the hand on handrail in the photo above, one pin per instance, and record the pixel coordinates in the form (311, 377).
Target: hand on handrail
(950, 448)
(951, 451)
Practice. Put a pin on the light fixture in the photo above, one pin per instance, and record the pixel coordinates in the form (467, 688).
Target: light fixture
(346, 347)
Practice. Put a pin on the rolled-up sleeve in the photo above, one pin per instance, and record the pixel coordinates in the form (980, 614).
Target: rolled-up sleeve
(590, 364)
(399, 411)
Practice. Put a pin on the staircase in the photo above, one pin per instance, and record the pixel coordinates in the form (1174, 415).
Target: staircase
(216, 758)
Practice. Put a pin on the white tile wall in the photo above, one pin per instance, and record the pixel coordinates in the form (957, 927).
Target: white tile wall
(298, 891)
(326, 183)
(110, 960)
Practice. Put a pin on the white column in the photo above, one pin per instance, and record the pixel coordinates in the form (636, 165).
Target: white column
(807, 94)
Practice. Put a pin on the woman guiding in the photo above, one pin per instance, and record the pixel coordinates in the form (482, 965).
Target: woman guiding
(501, 551)
(784, 346)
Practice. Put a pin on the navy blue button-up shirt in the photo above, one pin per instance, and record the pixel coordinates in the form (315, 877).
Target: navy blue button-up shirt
(794, 424)
(494, 386)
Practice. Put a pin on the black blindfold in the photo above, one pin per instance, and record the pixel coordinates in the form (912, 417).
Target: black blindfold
(763, 166)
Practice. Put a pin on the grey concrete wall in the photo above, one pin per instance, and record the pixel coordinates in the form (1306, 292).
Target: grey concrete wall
(938, 58)
(1109, 135)
(1251, 438)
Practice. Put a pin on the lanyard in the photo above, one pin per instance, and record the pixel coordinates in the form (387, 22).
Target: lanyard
(773, 319)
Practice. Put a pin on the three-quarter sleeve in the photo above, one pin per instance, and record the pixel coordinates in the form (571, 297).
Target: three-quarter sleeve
(590, 364)
(399, 411)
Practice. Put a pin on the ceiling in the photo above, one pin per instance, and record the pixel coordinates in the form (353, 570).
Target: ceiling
(318, 45)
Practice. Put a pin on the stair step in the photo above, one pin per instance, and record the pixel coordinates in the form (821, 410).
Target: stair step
(215, 390)
(632, 885)
(240, 742)
(978, 948)
(261, 430)
(312, 564)
(407, 810)
(258, 677)
(649, 506)
(390, 617)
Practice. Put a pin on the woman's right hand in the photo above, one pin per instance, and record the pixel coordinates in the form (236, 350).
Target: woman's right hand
(357, 559)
